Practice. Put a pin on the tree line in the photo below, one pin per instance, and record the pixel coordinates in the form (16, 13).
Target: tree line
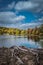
(37, 31)
(12, 31)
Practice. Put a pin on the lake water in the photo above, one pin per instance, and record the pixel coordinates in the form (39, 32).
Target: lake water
(8, 41)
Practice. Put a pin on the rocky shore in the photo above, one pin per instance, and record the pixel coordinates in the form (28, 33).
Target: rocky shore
(21, 56)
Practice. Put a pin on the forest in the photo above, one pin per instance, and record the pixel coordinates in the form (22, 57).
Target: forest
(37, 31)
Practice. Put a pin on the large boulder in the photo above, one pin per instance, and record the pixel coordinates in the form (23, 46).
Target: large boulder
(21, 56)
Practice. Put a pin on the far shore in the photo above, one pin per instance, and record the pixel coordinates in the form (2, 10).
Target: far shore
(20, 36)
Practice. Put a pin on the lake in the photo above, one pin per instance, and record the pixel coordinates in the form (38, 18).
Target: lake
(10, 40)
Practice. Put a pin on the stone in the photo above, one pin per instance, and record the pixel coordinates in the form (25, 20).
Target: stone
(21, 56)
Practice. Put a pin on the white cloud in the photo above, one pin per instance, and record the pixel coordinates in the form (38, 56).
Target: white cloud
(9, 25)
(25, 5)
(31, 5)
(11, 5)
(39, 20)
(10, 17)
(30, 25)
(19, 18)
(37, 1)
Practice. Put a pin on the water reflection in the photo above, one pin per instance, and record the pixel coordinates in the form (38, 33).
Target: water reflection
(41, 43)
(34, 38)
(32, 42)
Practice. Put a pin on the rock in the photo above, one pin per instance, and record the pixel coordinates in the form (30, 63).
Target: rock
(21, 56)
(30, 62)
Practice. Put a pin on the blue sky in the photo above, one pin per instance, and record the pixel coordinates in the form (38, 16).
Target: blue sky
(21, 14)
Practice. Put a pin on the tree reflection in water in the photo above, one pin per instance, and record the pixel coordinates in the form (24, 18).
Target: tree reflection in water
(41, 43)
(36, 39)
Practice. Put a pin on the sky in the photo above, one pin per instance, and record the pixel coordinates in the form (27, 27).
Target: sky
(22, 14)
